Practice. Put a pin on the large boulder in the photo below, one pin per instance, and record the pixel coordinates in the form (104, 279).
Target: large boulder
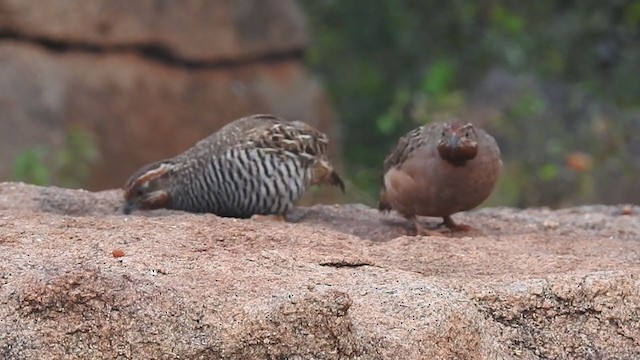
(78, 279)
(192, 30)
(148, 78)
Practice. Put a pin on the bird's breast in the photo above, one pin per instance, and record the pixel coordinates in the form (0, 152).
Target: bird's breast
(427, 185)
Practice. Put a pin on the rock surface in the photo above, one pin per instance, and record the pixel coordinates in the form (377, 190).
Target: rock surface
(197, 30)
(148, 79)
(80, 280)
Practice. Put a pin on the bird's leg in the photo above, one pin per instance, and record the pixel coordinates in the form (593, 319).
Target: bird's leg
(449, 223)
(421, 230)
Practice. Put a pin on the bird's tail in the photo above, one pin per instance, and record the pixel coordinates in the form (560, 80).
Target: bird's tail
(383, 203)
(335, 180)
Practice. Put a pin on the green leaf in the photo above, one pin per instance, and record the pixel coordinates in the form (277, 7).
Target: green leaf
(29, 166)
(439, 78)
(507, 21)
(548, 172)
(388, 122)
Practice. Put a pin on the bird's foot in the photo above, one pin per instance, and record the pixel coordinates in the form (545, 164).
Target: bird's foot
(452, 226)
(421, 230)
(433, 232)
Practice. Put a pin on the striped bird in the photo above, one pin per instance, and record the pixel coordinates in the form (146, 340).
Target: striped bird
(257, 165)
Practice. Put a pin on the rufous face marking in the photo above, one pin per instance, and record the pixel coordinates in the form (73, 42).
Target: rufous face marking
(146, 188)
(458, 143)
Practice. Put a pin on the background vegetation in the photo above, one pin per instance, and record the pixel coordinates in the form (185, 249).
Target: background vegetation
(66, 165)
(554, 81)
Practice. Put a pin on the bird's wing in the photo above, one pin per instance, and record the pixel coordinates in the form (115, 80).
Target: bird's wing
(300, 140)
(240, 132)
(414, 139)
(268, 132)
(292, 138)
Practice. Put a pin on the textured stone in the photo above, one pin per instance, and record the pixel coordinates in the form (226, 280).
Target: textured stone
(147, 79)
(196, 30)
(340, 282)
(139, 111)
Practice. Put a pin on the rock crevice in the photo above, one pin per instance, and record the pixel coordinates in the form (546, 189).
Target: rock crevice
(153, 52)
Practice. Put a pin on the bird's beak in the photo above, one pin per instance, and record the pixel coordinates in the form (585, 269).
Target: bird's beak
(454, 141)
(128, 207)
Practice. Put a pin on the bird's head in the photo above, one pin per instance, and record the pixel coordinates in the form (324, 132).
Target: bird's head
(148, 187)
(458, 143)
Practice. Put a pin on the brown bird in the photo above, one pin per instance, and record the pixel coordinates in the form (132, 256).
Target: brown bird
(438, 170)
(257, 165)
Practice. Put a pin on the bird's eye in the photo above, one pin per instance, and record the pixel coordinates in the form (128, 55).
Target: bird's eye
(443, 134)
(140, 191)
(466, 134)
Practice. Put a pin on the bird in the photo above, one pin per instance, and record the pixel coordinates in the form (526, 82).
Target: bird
(440, 169)
(257, 165)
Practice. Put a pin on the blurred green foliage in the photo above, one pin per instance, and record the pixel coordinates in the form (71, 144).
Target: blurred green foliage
(568, 74)
(67, 165)
(29, 166)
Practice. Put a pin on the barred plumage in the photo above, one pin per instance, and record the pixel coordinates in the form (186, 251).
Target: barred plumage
(259, 164)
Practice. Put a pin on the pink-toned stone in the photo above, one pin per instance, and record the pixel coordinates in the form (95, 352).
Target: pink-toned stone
(139, 111)
(198, 30)
(341, 282)
(147, 79)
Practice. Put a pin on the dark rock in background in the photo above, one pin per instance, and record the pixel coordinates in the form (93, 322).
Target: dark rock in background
(148, 79)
